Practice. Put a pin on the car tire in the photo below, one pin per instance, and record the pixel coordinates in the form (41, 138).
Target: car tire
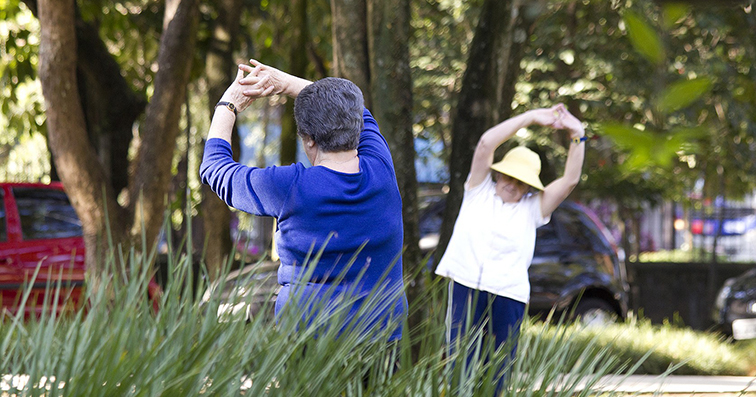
(594, 312)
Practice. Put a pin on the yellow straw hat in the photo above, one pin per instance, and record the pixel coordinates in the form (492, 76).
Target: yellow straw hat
(522, 164)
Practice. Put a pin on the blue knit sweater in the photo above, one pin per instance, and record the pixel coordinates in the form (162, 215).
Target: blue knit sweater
(355, 219)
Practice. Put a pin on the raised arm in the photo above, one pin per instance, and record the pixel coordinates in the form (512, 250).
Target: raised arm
(559, 189)
(500, 133)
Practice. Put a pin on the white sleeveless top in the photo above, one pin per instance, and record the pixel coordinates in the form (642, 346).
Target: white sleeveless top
(492, 244)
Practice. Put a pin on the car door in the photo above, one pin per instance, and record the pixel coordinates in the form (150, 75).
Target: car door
(590, 267)
(565, 261)
(51, 240)
(548, 273)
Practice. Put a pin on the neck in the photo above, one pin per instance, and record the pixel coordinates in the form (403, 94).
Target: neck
(340, 161)
(335, 157)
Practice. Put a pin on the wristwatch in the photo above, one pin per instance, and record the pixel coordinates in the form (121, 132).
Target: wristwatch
(577, 140)
(228, 105)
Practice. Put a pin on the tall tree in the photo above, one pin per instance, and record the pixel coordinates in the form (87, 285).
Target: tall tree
(375, 55)
(75, 158)
(485, 95)
(110, 105)
(298, 67)
(351, 59)
(220, 69)
(391, 92)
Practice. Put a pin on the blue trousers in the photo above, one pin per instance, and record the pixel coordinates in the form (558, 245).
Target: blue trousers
(503, 315)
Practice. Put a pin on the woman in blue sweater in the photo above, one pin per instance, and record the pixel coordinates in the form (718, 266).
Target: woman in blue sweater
(345, 208)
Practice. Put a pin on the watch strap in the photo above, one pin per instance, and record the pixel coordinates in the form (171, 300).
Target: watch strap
(577, 140)
(230, 106)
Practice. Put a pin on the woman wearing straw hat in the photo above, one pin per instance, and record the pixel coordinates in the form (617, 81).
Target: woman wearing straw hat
(491, 248)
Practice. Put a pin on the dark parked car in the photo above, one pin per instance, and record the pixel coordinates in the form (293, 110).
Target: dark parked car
(735, 306)
(576, 264)
(40, 229)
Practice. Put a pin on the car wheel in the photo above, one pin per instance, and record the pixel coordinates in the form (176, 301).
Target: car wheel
(594, 312)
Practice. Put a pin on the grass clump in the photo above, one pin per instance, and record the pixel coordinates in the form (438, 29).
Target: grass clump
(120, 346)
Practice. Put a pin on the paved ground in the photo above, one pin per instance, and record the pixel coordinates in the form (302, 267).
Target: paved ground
(671, 386)
(679, 385)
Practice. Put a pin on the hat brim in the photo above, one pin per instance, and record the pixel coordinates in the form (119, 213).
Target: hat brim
(518, 172)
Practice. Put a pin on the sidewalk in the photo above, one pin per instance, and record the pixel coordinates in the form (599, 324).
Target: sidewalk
(680, 385)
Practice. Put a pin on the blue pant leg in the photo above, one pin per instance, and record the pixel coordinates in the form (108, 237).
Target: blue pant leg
(456, 313)
(464, 300)
(507, 315)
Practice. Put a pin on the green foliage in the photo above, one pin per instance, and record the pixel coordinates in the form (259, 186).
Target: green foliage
(695, 352)
(681, 94)
(680, 256)
(131, 31)
(684, 97)
(673, 13)
(644, 38)
(21, 108)
(441, 34)
(651, 148)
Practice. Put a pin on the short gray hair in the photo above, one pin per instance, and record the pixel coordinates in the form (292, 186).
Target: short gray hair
(329, 111)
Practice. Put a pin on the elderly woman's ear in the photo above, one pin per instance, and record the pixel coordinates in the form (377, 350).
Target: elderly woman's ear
(309, 142)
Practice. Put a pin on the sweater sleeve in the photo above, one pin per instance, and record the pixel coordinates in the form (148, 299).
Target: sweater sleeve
(259, 191)
(371, 140)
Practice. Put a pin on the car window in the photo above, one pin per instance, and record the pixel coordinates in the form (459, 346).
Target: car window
(46, 213)
(577, 236)
(600, 242)
(547, 240)
(3, 232)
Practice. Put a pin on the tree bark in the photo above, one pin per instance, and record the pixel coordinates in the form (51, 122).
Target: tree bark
(371, 48)
(298, 67)
(151, 175)
(485, 97)
(351, 59)
(391, 87)
(220, 70)
(74, 157)
(110, 105)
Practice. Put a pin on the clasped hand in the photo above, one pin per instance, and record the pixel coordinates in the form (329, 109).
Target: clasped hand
(558, 117)
(252, 82)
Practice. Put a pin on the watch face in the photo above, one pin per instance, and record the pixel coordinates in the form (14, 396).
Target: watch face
(228, 105)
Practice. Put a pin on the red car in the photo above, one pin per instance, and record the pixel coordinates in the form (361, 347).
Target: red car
(39, 228)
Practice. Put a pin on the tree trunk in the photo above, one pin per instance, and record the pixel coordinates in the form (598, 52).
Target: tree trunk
(152, 166)
(298, 67)
(371, 48)
(391, 87)
(111, 106)
(221, 70)
(109, 103)
(76, 160)
(351, 60)
(74, 157)
(484, 99)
